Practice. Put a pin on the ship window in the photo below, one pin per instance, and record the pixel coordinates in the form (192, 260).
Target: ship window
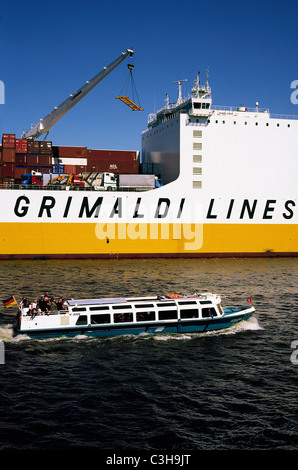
(123, 317)
(168, 315)
(257, 123)
(197, 105)
(197, 171)
(197, 133)
(144, 305)
(145, 316)
(267, 123)
(197, 146)
(120, 307)
(277, 125)
(196, 184)
(101, 307)
(99, 319)
(82, 320)
(197, 158)
(166, 304)
(189, 313)
(204, 302)
(79, 309)
(208, 312)
(223, 122)
(187, 302)
(216, 122)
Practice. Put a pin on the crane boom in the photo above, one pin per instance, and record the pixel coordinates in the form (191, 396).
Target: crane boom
(44, 125)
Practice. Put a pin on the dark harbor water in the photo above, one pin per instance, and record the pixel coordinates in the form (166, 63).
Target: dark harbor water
(235, 390)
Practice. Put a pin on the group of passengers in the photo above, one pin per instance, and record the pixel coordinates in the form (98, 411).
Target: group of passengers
(45, 304)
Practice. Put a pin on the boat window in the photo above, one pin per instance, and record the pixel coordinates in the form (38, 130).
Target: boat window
(123, 317)
(189, 313)
(145, 316)
(82, 320)
(166, 304)
(99, 319)
(208, 312)
(79, 309)
(101, 307)
(167, 315)
(144, 305)
(187, 302)
(120, 307)
(205, 302)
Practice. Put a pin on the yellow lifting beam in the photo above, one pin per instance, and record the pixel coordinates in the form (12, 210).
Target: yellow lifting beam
(123, 94)
(130, 103)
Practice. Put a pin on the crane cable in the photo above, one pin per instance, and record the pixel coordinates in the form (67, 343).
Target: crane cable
(124, 95)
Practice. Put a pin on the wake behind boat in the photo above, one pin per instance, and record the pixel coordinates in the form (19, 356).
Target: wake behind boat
(170, 313)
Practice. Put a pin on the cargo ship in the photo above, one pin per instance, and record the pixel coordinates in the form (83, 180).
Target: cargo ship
(228, 187)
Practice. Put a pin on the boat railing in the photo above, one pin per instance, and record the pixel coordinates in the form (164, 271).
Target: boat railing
(36, 187)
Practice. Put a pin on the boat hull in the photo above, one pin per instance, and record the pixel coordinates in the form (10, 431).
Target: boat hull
(175, 327)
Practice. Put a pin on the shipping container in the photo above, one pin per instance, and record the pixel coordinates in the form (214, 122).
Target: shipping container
(8, 155)
(8, 140)
(33, 146)
(20, 171)
(45, 148)
(32, 160)
(21, 159)
(21, 145)
(66, 151)
(45, 169)
(44, 160)
(58, 169)
(114, 167)
(70, 169)
(109, 155)
(1, 157)
(8, 170)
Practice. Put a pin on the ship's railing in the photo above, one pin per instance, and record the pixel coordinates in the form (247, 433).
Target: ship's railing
(256, 110)
(68, 188)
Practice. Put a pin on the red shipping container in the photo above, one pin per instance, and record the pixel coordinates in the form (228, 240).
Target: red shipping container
(8, 155)
(118, 167)
(8, 143)
(109, 155)
(21, 145)
(45, 169)
(70, 169)
(20, 171)
(21, 159)
(66, 151)
(8, 170)
(45, 160)
(32, 160)
(33, 146)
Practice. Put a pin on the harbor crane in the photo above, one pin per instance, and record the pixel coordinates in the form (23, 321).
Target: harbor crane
(44, 125)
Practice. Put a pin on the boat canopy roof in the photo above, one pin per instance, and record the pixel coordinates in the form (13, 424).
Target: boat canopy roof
(73, 303)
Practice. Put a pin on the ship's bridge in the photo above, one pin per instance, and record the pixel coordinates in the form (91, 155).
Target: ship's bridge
(196, 104)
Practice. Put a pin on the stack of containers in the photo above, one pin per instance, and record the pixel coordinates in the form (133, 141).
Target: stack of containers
(19, 156)
(7, 172)
(68, 159)
(114, 161)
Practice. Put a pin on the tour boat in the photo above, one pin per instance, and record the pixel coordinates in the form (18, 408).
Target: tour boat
(103, 317)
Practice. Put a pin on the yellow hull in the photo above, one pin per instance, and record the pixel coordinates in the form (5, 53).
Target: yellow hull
(77, 240)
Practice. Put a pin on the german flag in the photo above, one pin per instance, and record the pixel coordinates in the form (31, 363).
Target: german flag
(9, 302)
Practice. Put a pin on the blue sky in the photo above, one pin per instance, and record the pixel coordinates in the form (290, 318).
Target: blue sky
(49, 49)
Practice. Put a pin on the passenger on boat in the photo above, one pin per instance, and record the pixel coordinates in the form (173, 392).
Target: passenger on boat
(52, 306)
(43, 303)
(60, 304)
